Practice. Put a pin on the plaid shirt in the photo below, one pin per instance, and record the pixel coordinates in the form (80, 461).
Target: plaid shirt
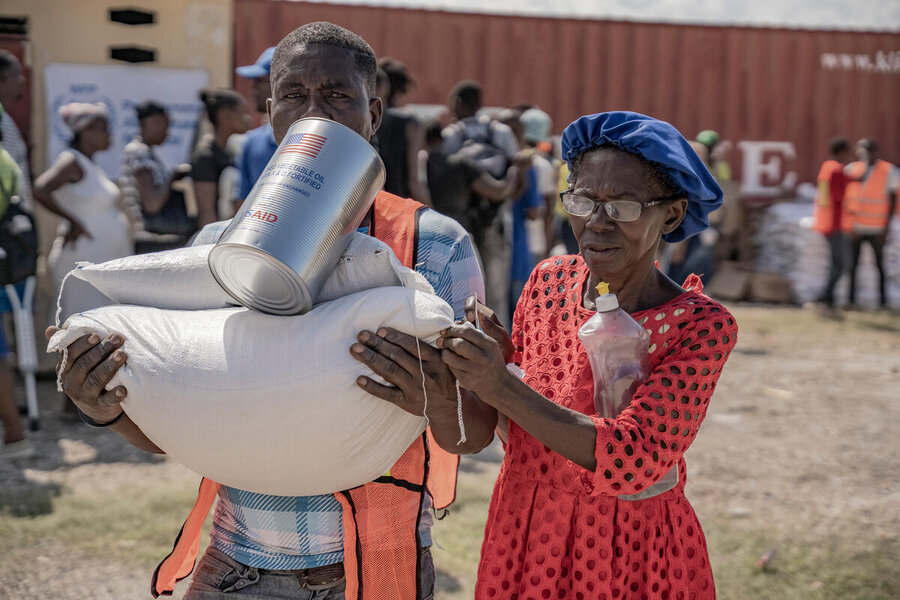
(280, 532)
(138, 156)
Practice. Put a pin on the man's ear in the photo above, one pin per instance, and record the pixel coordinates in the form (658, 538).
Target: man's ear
(269, 108)
(675, 212)
(376, 110)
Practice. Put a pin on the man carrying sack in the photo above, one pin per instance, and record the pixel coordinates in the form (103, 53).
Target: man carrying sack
(373, 541)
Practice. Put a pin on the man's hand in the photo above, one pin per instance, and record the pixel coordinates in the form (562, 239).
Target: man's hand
(523, 159)
(90, 365)
(181, 171)
(395, 357)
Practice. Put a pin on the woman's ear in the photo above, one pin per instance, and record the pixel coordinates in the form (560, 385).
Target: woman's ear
(675, 212)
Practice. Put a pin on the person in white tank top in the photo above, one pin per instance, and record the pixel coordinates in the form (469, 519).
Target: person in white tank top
(76, 188)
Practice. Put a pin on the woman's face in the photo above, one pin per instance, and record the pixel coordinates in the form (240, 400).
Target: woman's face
(612, 249)
(238, 119)
(97, 134)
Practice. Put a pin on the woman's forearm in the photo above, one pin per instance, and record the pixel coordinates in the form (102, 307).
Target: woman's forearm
(567, 432)
(206, 193)
(46, 200)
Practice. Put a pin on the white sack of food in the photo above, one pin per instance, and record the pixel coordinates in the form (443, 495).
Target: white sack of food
(368, 263)
(181, 279)
(177, 279)
(266, 403)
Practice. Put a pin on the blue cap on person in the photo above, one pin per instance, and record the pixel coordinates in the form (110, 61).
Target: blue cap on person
(260, 68)
(659, 143)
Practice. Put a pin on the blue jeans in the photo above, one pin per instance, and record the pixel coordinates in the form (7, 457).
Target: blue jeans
(220, 577)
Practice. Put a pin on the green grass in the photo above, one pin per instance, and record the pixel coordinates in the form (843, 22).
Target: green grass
(459, 535)
(805, 567)
(137, 523)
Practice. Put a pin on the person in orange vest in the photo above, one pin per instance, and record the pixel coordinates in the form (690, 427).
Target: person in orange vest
(871, 202)
(830, 217)
(371, 542)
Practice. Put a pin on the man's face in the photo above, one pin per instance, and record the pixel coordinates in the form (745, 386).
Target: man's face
(155, 129)
(865, 154)
(12, 84)
(322, 81)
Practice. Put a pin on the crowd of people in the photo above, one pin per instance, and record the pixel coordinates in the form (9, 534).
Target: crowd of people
(504, 215)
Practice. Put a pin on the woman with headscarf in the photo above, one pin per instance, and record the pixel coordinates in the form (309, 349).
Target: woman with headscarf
(75, 188)
(558, 525)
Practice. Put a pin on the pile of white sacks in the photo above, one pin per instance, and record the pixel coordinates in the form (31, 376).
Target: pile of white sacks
(258, 402)
(786, 244)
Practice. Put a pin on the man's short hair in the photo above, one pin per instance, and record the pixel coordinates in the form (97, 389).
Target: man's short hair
(468, 92)
(7, 61)
(327, 34)
(399, 77)
(382, 80)
(148, 108)
(839, 145)
(433, 132)
(869, 143)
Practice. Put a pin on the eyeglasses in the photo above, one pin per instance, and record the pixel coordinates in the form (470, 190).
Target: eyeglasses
(623, 211)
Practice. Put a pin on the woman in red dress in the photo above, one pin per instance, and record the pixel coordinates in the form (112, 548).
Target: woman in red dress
(557, 527)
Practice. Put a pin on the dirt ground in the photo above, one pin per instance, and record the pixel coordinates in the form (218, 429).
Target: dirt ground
(798, 455)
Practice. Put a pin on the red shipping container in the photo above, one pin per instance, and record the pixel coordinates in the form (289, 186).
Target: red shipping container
(797, 88)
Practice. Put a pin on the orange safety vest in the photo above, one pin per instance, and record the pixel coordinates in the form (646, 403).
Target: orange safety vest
(868, 201)
(381, 518)
(823, 211)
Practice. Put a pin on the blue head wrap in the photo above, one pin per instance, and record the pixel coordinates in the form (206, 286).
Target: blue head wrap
(659, 143)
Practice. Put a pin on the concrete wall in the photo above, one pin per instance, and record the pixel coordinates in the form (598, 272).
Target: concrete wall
(186, 34)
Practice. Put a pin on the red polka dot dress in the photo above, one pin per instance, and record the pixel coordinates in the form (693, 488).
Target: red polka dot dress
(557, 530)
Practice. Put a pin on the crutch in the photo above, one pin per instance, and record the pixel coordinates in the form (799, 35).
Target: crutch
(26, 348)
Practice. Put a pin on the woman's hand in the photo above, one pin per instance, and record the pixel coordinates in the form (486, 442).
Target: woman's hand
(485, 319)
(475, 358)
(76, 230)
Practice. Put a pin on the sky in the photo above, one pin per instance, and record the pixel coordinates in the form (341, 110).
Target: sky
(878, 15)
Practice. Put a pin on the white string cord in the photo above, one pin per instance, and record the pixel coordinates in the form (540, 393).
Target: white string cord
(412, 307)
(59, 297)
(459, 416)
(422, 371)
(459, 410)
(65, 351)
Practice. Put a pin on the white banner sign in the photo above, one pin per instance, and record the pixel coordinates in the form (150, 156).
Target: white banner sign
(121, 88)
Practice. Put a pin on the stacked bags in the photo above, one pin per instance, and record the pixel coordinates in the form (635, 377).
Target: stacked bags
(258, 402)
(788, 245)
